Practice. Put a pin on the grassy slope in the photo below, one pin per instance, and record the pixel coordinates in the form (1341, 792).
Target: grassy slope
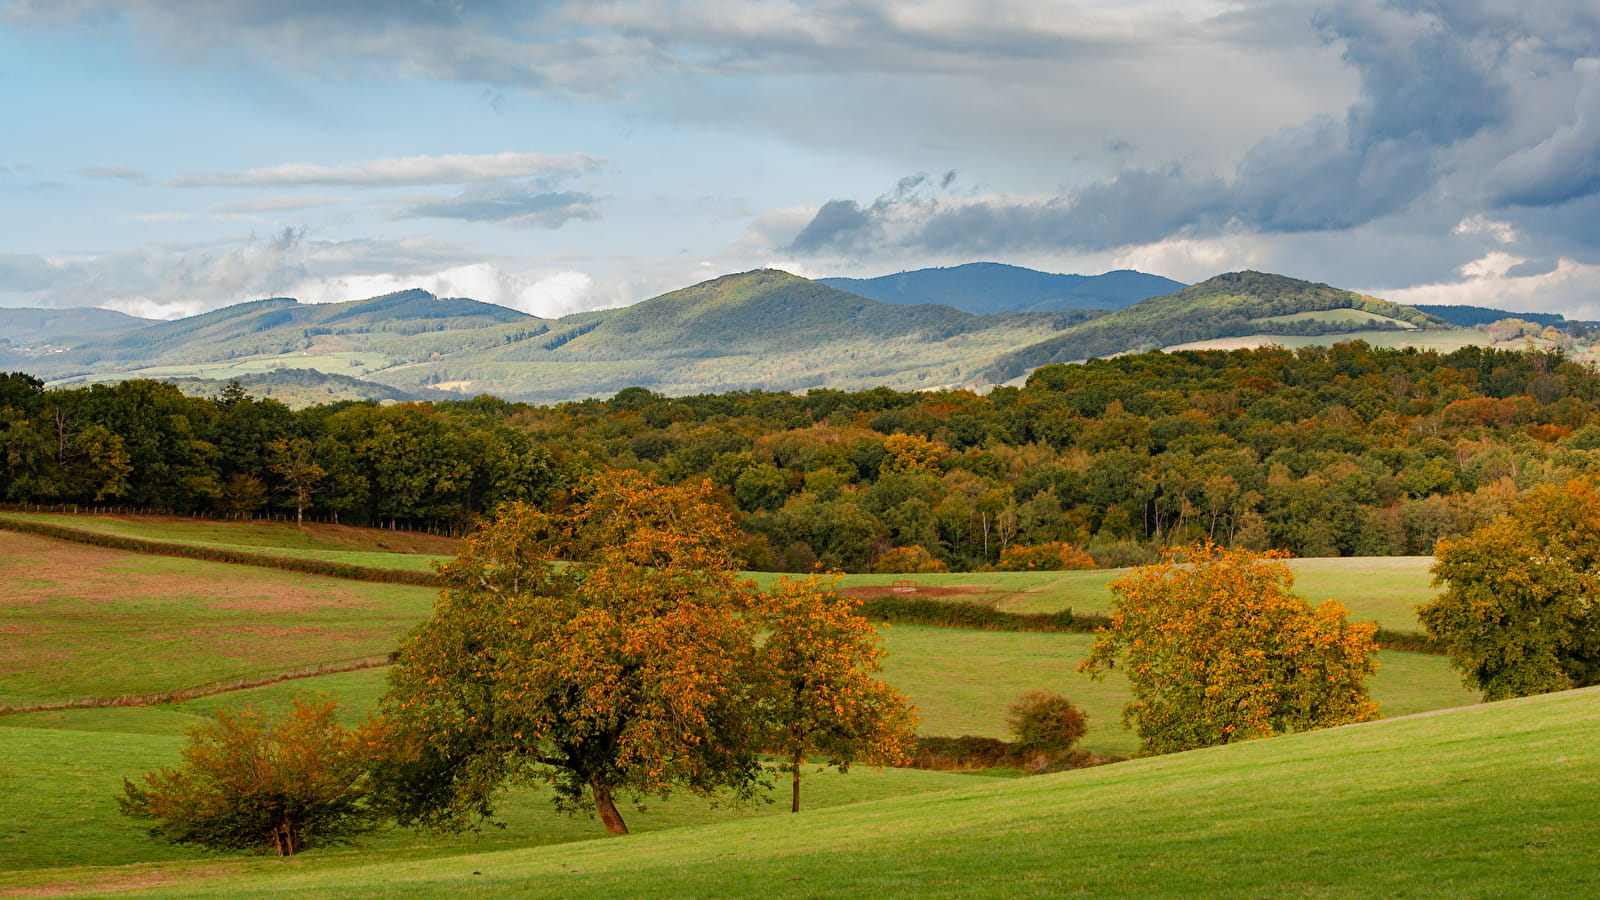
(413, 551)
(1491, 801)
(86, 622)
(1384, 589)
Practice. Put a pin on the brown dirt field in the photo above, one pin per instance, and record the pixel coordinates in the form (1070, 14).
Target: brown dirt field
(884, 590)
(38, 569)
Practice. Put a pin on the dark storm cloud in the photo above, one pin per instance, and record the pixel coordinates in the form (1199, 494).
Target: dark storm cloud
(1435, 77)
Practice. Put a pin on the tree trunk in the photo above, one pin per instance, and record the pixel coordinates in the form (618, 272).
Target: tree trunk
(795, 768)
(607, 808)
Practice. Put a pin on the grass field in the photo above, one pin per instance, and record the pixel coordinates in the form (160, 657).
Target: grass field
(372, 547)
(1385, 589)
(1495, 800)
(89, 622)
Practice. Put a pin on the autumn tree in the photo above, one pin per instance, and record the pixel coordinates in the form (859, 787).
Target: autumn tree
(1217, 648)
(294, 461)
(604, 648)
(821, 699)
(1520, 610)
(250, 781)
(1051, 556)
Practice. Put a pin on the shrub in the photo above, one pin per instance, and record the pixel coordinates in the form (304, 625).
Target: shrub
(1053, 556)
(1044, 721)
(907, 560)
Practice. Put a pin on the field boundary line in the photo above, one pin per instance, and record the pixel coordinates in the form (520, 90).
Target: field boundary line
(205, 553)
(210, 688)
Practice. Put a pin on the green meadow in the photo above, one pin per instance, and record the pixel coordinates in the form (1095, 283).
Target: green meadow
(86, 621)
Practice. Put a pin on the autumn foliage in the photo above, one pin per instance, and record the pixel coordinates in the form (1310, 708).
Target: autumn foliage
(1217, 648)
(1051, 556)
(1520, 610)
(251, 782)
(611, 649)
(818, 663)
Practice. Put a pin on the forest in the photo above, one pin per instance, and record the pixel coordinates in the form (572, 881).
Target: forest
(1344, 450)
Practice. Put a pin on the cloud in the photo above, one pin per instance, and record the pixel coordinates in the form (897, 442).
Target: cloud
(1563, 166)
(1570, 288)
(120, 173)
(398, 172)
(511, 203)
(275, 203)
(170, 280)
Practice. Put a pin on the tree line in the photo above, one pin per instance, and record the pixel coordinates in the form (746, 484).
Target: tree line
(1344, 450)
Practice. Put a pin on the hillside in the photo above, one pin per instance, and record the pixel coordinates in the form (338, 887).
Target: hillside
(756, 330)
(27, 327)
(987, 287)
(1493, 800)
(1229, 305)
(281, 326)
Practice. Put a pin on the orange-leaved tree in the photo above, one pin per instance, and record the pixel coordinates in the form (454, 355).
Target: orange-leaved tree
(250, 781)
(821, 699)
(605, 648)
(1218, 648)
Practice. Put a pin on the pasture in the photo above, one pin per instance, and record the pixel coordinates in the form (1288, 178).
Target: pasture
(1384, 589)
(1488, 801)
(86, 621)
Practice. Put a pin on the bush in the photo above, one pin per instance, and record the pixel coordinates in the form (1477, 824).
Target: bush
(1044, 721)
(252, 783)
(907, 560)
(1054, 556)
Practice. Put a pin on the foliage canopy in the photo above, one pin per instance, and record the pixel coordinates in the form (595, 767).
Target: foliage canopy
(1520, 610)
(251, 782)
(1217, 648)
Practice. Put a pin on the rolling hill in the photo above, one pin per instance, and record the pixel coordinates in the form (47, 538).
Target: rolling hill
(986, 287)
(28, 327)
(1229, 305)
(764, 329)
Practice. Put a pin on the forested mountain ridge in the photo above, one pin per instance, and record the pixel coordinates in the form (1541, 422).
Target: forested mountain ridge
(278, 325)
(986, 287)
(1228, 305)
(765, 329)
(28, 327)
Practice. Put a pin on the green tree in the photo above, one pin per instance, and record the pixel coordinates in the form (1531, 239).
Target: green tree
(1218, 648)
(250, 782)
(604, 648)
(294, 461)
(1520, 610)
(822, 700)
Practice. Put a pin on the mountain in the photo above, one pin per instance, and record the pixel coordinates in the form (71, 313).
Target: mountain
(986, 287)
(1230, 305)
(761, 330)
(410, 324)
(764, 329)
(1473, 316)
(27, 327)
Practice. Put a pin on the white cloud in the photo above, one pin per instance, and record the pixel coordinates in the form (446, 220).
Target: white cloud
(405, 171)
(1478, 223)
(544, 294)
(1571, 288)
(146, 308)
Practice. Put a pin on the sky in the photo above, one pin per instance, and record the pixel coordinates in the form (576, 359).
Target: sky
(166, 157)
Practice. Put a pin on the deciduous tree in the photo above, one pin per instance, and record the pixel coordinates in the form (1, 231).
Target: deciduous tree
(821, 699)
(1520, 611)
(1218, 648)
(605, 649)
(253, 782)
